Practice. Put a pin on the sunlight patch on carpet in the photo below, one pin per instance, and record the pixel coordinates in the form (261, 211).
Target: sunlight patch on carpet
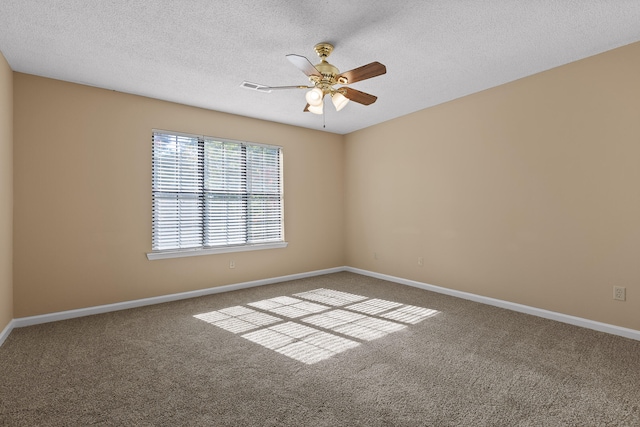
(238, 319)
(313, 326)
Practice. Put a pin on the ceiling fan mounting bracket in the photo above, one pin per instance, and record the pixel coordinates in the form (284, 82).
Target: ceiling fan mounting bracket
(323, 50)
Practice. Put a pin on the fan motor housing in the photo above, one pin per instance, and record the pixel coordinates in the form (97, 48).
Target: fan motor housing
(328, 71)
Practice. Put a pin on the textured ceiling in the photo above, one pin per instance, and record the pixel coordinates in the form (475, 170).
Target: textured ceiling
(198, 52)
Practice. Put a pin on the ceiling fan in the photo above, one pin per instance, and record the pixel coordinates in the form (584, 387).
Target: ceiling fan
(323, 77)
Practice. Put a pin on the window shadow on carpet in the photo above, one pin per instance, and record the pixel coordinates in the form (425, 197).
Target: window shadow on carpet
(316, 325)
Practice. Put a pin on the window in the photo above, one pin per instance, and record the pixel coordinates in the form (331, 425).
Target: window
(214, 195)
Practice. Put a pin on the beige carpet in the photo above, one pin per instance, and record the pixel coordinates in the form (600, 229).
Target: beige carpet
(339, 350)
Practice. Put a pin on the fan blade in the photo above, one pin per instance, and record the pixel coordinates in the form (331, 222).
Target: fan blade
(265, 88)
(306, 109)
(362, 73)
(304, 65)
(357, 96)
(270, 88)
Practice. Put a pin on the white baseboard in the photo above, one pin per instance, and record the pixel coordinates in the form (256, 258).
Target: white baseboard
(564, 318)
(99, 309)
(6, 331)
(552, 315)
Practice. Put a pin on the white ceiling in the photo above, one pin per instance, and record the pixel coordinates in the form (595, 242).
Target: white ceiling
(198, 52)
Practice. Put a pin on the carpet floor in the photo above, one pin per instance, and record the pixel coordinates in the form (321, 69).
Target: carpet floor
(334, 350)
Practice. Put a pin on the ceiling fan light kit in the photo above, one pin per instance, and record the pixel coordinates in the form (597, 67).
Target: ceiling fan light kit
(339, 100)
(324, 76)
(314, 97)
(315, 109)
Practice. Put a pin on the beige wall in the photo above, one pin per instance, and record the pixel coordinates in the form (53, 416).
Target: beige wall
(528, 192)
(6, 193)
(83, 198)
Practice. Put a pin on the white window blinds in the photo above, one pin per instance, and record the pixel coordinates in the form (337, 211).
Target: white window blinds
(210, 193)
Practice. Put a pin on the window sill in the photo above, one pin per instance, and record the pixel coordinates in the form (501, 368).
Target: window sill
(197, 252)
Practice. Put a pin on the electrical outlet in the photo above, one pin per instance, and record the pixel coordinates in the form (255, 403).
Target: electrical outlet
(375, 255)
(232, 264)
(619, 293)
(420, 261)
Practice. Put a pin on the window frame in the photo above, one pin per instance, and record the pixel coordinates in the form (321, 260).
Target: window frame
(229, 248)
